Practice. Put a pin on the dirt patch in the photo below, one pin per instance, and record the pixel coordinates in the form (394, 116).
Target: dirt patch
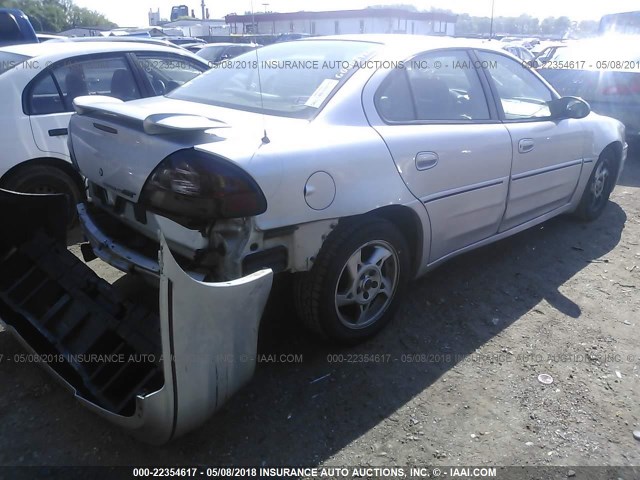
(453, 381)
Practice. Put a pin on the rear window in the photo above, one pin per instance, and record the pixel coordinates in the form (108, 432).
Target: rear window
(10, 60)
(291, 79)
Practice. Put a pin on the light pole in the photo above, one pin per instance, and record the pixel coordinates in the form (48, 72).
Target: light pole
(491, 25)
(265, 5)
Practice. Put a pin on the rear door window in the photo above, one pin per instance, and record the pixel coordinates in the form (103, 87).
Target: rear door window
(109, 76)
(45, 97)
(437, 86)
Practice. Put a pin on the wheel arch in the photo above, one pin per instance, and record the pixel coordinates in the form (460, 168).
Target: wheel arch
(62, 165)
(407, 222)
(617, 149)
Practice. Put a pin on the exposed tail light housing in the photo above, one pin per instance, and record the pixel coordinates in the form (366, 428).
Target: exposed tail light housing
(194, 188)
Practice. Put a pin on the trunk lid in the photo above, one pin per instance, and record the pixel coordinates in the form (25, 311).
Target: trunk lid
(118, 145)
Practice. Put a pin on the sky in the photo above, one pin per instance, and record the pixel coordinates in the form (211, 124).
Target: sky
(135, 12)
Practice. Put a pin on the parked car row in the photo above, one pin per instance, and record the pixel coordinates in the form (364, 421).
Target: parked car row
(606, 73)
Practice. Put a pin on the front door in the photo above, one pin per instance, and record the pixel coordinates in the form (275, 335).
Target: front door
(547, 152)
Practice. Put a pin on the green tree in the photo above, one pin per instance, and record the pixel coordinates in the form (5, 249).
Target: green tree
(561, 26)
(57, 15)
(546, 26)
(521, 25)
(587, 28)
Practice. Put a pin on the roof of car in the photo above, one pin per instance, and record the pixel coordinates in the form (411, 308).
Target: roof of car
(64, 49)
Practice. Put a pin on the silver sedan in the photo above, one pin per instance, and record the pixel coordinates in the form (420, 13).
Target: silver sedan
(356, 163)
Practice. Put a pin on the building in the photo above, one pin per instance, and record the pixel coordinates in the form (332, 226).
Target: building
(154, 17)
(195, 27)
(368, 20)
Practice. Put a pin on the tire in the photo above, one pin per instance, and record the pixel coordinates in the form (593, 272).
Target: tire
(356, 283)
(599, 187)
(47, 179)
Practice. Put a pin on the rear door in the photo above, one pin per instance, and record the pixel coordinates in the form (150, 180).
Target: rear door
(547, 152)
(448, 144)
(49, 97)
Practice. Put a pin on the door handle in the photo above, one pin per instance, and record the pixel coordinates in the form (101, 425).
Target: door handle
(58, 132)
(426, 160)
(525, 145)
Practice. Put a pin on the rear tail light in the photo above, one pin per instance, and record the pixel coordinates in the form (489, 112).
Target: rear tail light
(194, 188)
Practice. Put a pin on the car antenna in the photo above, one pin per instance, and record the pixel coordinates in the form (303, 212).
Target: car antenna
(265, 138)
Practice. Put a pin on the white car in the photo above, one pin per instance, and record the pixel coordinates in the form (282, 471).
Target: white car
(38, 83)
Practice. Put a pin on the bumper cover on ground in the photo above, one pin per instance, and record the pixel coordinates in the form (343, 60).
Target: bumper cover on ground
(158, 375)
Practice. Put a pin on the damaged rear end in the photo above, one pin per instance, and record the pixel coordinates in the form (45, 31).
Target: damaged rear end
(158, 373)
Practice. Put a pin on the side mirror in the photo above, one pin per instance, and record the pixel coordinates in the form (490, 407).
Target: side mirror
(569, 107)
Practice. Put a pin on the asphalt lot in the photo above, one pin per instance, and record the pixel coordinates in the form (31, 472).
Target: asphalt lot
(453, 381)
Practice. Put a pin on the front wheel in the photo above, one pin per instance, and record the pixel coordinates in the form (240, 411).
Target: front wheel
(601, 182)
(354, 287)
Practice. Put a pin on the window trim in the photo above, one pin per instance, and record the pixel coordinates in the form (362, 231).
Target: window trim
(493, 112)
(497, 100)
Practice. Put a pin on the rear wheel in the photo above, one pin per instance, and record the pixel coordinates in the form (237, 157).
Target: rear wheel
(45, 179)
(601, 182)
(354, 287)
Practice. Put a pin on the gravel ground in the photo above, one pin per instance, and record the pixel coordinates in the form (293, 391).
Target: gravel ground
(453, 381)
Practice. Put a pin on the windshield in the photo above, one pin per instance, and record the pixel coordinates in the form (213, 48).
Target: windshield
(10, 60)
(293, 79)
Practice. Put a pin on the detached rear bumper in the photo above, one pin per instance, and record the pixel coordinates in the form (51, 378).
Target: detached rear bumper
(158, 376)
(209, 336)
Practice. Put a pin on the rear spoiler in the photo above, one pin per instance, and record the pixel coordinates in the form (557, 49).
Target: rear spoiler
(154, 124)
